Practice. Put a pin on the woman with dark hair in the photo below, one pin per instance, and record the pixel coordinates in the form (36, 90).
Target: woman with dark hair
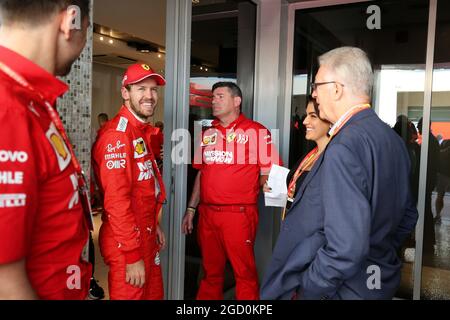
(317, 131)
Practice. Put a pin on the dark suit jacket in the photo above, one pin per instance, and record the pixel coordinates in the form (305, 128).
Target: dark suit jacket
(352, 212)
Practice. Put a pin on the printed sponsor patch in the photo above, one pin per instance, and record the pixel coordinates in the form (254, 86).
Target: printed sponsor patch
(218, 157)
(140, 149)
(123, 123)
(115, 148)
(242, 138)
(115, 156)
(10, 177)
(209, 140)
(146, 170)
(13, 156)
(116, 164)
(59, 146)
(12, 200)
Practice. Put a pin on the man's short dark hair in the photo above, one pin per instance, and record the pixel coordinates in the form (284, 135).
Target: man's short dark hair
(103, 116)
(234, 89)
(35, 12)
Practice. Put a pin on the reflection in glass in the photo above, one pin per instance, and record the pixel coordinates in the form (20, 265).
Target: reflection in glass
(222, 49)
(436, 254)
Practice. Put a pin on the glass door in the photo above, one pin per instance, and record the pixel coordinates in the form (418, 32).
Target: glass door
(394, 34)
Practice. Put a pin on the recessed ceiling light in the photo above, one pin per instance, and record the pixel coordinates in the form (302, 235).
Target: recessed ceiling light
(111, 41)
(101, 38)
(159, 55)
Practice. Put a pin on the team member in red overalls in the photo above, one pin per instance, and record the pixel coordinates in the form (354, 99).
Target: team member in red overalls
(234, 160)
(43, 229)
(133, 191)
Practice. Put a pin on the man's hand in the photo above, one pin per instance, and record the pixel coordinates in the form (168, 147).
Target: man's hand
(187, 225)
(135, 274)
(266, 188)
(160, 238)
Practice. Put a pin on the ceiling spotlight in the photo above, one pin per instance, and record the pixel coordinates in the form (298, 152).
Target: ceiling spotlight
(111, 41)
(201, 68)
(206, 69)
(101, 38)
(145, 51)
(159, 55)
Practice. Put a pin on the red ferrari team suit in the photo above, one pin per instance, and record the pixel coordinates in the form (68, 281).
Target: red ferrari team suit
(41, 217)
(133, 193)
(231, 161)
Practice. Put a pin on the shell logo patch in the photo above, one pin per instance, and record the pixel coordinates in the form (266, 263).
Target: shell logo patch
(209, 140)
(140, 149)
(59, 146)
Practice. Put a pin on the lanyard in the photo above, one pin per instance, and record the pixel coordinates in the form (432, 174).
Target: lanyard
(353, 111)
(307, 161)
(50, 111)
(82, 184)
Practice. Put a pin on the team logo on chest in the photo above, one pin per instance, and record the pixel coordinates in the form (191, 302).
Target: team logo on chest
(231, 137)
(59, 146)
(209, 140)
(243, 139)
(140, 149)
(146, 170)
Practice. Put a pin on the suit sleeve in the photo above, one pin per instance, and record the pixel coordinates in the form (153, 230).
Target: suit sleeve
(347, 222)
(18, 185)
(113, 156)
(267, 151)
(407, 224)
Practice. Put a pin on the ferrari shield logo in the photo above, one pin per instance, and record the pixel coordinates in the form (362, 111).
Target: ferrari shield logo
(231, 137)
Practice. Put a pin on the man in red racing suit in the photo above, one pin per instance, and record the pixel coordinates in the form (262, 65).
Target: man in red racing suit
(133, 191)
(43, 228)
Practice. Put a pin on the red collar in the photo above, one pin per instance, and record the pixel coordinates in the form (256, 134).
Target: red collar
(124, 112)
(40, 79)
(234, 124)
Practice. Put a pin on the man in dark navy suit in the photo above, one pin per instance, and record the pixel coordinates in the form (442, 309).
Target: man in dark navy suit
(342, 233)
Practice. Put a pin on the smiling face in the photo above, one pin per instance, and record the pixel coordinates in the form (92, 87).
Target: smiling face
(316, 128)
(142, 98)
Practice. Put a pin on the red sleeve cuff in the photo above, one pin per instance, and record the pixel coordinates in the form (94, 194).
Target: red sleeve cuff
(132, 256)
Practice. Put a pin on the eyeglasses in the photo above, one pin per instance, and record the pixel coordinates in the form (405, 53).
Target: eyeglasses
(314, 85)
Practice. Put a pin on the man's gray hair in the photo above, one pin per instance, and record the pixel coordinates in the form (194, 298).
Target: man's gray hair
(353, 68)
